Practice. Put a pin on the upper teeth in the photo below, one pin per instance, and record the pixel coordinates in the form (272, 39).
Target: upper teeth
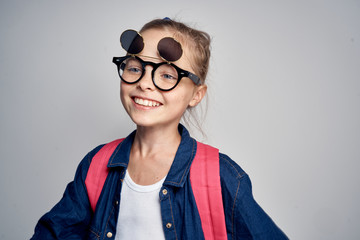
(146, 102)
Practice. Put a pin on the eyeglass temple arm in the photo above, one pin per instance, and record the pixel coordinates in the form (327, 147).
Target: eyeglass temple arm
(194, 78)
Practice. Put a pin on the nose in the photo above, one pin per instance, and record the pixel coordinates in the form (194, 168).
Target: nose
(146, 82)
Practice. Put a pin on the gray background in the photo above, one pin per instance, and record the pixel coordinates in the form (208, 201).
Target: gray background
(284, 101)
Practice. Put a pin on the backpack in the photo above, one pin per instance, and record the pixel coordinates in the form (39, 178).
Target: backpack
(204, 178)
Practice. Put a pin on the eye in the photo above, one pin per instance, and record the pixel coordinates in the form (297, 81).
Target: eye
(167, 73)
(133, 69)
(133, 66)
(168, 76)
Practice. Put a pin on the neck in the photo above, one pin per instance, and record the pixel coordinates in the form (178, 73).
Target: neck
(150, 140)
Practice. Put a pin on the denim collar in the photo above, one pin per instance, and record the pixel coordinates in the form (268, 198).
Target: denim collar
(180, 167)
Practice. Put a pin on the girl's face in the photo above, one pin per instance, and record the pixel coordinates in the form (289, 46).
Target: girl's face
(150, 107)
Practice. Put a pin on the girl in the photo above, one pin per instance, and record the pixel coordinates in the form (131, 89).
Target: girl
(150, 186)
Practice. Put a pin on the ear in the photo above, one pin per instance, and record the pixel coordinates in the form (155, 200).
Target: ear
(199, 94)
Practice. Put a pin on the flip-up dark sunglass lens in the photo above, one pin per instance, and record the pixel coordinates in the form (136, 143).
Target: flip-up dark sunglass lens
(132, 42)
(169, 49)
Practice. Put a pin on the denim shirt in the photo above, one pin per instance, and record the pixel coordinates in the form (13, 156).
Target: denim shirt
(72, 217)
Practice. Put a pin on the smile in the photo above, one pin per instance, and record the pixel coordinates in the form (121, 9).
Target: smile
(146, 102)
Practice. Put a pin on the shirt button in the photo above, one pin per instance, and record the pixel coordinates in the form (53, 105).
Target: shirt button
(109, 234)
(164, 191)
(168, 225)
(116, 202)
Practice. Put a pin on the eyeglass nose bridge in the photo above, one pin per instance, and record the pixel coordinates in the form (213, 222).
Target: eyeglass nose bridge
(154, 67)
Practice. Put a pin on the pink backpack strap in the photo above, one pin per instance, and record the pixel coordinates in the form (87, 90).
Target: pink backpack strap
(205, 182)
(98, 171)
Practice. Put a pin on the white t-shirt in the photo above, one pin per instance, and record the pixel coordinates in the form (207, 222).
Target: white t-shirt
(140, 213)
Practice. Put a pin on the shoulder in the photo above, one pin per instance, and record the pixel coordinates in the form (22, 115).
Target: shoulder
(229, 167)
(84, 165)
(89, 156)
(235, 182)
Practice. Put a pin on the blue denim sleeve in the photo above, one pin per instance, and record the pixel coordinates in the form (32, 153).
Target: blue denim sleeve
(69, 218)
(245, 219)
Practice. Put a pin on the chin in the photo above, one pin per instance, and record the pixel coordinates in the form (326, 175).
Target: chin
(144, 122)
(151, 123)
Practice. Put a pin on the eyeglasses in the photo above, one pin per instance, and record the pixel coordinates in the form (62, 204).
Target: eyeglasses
(165, 75)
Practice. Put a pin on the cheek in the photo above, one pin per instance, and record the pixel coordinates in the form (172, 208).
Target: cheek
(123, 92)
(183, 98)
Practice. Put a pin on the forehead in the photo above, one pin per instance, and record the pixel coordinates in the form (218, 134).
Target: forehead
(153, 36)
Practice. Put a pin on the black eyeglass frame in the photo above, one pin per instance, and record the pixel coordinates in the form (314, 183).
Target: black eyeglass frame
(181, 72)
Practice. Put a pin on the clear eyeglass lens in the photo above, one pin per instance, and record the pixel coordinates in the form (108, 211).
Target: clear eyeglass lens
(165, 76)
(130, 69)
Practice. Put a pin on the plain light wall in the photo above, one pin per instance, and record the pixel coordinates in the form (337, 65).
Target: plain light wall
(284, 102)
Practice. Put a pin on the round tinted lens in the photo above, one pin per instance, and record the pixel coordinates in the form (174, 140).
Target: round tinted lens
(132, 42)
(165, 77)
(130, 70)
(169, 49)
